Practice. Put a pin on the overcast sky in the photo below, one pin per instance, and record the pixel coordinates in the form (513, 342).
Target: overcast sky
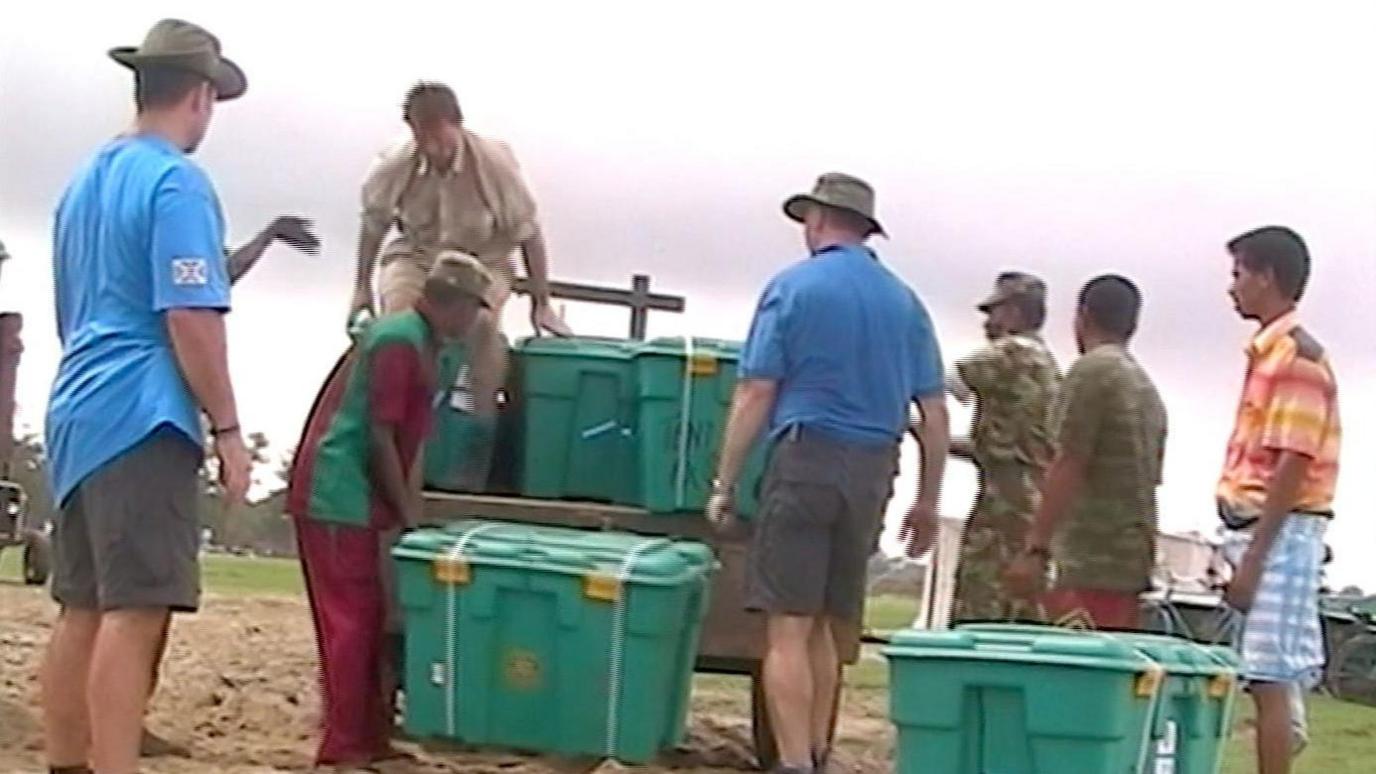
(1063, 138)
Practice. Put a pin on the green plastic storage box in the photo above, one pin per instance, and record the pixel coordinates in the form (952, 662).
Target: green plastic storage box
(454, 452)
(455, 441)
(550, 640)
(1194, 714)
(685, 387)
(972, 701)
(577, 398)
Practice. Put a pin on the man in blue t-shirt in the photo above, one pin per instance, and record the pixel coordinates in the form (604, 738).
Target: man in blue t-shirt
(839, 350)
(142, 285)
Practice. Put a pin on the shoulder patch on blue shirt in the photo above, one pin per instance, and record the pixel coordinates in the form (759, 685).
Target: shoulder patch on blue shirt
(190, 271)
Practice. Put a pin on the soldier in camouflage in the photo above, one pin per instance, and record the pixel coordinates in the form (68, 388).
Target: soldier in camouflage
(1012, 381)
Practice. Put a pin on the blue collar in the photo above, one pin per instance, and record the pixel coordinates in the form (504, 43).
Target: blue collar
(846, 249)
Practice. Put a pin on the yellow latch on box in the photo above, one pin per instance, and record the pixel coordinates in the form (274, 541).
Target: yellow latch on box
(604, 588)
(455, 572)
(1149, 682)
(702, 364)
(1220, 686)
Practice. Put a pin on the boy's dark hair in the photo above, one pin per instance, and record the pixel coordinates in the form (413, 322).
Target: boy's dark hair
(428, 101)
(160, 86)
(1279, 251)
(1112, 303)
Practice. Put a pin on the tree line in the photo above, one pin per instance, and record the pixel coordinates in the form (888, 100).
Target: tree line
(261, 526)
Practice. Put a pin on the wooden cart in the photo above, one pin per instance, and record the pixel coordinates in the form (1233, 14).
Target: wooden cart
(732, 640)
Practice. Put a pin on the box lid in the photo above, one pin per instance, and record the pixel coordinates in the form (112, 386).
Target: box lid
(1051, 647)
(577, 346)
(679, 347)
(1177, 655)
(634, 558)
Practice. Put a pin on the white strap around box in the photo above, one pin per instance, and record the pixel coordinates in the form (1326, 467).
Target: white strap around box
(685, 416)
(451, 636)
(617, 649)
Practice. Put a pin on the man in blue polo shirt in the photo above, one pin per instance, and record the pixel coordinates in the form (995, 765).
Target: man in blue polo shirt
(142, 285)
(839, 350)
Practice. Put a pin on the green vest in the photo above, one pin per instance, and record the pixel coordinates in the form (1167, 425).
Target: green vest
(341, 484)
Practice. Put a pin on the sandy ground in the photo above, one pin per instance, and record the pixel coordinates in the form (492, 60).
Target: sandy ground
(239, 693)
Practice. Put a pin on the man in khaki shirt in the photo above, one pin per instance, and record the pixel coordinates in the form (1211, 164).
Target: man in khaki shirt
(449, 189)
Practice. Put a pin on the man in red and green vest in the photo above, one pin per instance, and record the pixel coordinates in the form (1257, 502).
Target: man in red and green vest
(354, 485)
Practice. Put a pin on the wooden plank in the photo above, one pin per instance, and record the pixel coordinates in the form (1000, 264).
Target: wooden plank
(444, 507)
(639, 298)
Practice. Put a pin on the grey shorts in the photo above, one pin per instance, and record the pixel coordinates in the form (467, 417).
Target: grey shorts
(129, 536)
(821, 512)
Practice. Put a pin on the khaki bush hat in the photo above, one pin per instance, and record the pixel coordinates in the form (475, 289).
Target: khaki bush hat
(183, 45)
(839, 190)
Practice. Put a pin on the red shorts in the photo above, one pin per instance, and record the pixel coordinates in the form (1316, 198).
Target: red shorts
(1093, 608)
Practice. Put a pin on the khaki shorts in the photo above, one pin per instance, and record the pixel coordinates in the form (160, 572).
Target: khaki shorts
(130, 535)
(821, 511)
(403, 279)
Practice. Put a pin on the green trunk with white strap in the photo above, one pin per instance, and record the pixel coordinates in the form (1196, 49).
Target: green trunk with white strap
(551, 640)
(684, 392)
(631, 423)
(1022, 699)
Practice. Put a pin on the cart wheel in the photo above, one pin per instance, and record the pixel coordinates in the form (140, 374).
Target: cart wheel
(38, 555)
(1352, 675)
(766, 750)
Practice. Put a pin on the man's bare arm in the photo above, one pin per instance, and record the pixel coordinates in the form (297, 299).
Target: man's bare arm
(934, 438)
(536, 257)
(1281, 496)
(370, 238)
(750, 411)
(388, 473)
(932, 429)
(202, 351)
(1064, 479)
(295, 231)
(542, 316)
(247, 256)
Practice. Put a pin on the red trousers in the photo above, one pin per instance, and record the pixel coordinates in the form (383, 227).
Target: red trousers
(343, 572)
(1093, 608)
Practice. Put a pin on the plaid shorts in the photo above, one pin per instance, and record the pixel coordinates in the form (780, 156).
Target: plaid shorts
(1282, 639)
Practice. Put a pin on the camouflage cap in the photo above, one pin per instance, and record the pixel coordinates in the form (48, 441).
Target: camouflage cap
(461, 272)
(1015, 285)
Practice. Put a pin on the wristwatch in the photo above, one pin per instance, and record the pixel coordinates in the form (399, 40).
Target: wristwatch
(719, 487)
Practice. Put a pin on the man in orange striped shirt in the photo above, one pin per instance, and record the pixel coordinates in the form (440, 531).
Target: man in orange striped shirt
(1276, 492)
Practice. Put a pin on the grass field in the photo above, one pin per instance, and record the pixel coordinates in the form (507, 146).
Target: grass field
(1344, 735)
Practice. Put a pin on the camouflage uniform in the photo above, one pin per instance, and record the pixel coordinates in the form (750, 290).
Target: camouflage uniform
(1110, 412)
(1013, 380)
